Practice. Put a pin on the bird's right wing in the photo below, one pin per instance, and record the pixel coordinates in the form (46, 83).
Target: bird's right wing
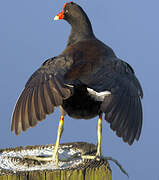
(43, 91)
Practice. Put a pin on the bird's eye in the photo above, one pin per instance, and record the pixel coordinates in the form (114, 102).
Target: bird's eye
(66, 11)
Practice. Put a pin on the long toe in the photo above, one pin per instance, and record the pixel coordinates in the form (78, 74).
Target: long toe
(40, 158)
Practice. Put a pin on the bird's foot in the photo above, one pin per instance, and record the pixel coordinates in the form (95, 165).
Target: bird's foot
(97, 156)
(91, 157)
(44, 158)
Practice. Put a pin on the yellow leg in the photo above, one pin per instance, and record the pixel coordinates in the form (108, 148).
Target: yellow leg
(54, 156)
(99, 134)
(59, 134)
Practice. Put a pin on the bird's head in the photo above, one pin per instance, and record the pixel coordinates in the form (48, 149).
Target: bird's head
(78, 19)
(71, 12)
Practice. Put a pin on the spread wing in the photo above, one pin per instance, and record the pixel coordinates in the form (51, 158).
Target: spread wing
(122, 107)
(44, 90)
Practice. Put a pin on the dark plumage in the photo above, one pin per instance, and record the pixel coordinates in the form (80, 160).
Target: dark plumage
(64, 81)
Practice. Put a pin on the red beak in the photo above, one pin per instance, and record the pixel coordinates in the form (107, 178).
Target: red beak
(59, 16)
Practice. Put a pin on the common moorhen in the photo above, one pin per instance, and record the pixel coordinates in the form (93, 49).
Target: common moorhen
(86, 80)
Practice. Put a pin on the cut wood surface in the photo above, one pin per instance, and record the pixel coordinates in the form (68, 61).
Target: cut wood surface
(14, 166)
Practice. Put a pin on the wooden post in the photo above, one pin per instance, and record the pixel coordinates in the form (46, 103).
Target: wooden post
(13, 166)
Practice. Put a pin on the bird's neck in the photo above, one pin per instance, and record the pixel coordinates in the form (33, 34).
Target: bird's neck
(81, 30)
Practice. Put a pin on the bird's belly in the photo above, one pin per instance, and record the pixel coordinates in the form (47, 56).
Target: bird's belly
(81, 106)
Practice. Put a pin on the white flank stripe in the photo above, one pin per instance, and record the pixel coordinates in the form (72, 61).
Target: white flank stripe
(98, 96)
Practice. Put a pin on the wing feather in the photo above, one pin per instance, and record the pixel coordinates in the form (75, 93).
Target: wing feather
(139, 120)
(17, 116)
(129, 122)
(134, 125)
(119, 117)
(31, 109)
(49, 105)
(24, 114)
(43, 100)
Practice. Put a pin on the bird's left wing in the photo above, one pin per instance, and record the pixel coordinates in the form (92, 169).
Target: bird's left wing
(122, 105)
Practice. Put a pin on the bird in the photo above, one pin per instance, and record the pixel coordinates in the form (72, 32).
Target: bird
(85, 81)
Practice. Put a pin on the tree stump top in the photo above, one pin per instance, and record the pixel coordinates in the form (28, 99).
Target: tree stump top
(13, 163)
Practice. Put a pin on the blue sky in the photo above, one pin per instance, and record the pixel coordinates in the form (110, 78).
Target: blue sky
(28, 36)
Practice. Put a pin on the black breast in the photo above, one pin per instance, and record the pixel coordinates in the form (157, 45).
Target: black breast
(81, 105)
